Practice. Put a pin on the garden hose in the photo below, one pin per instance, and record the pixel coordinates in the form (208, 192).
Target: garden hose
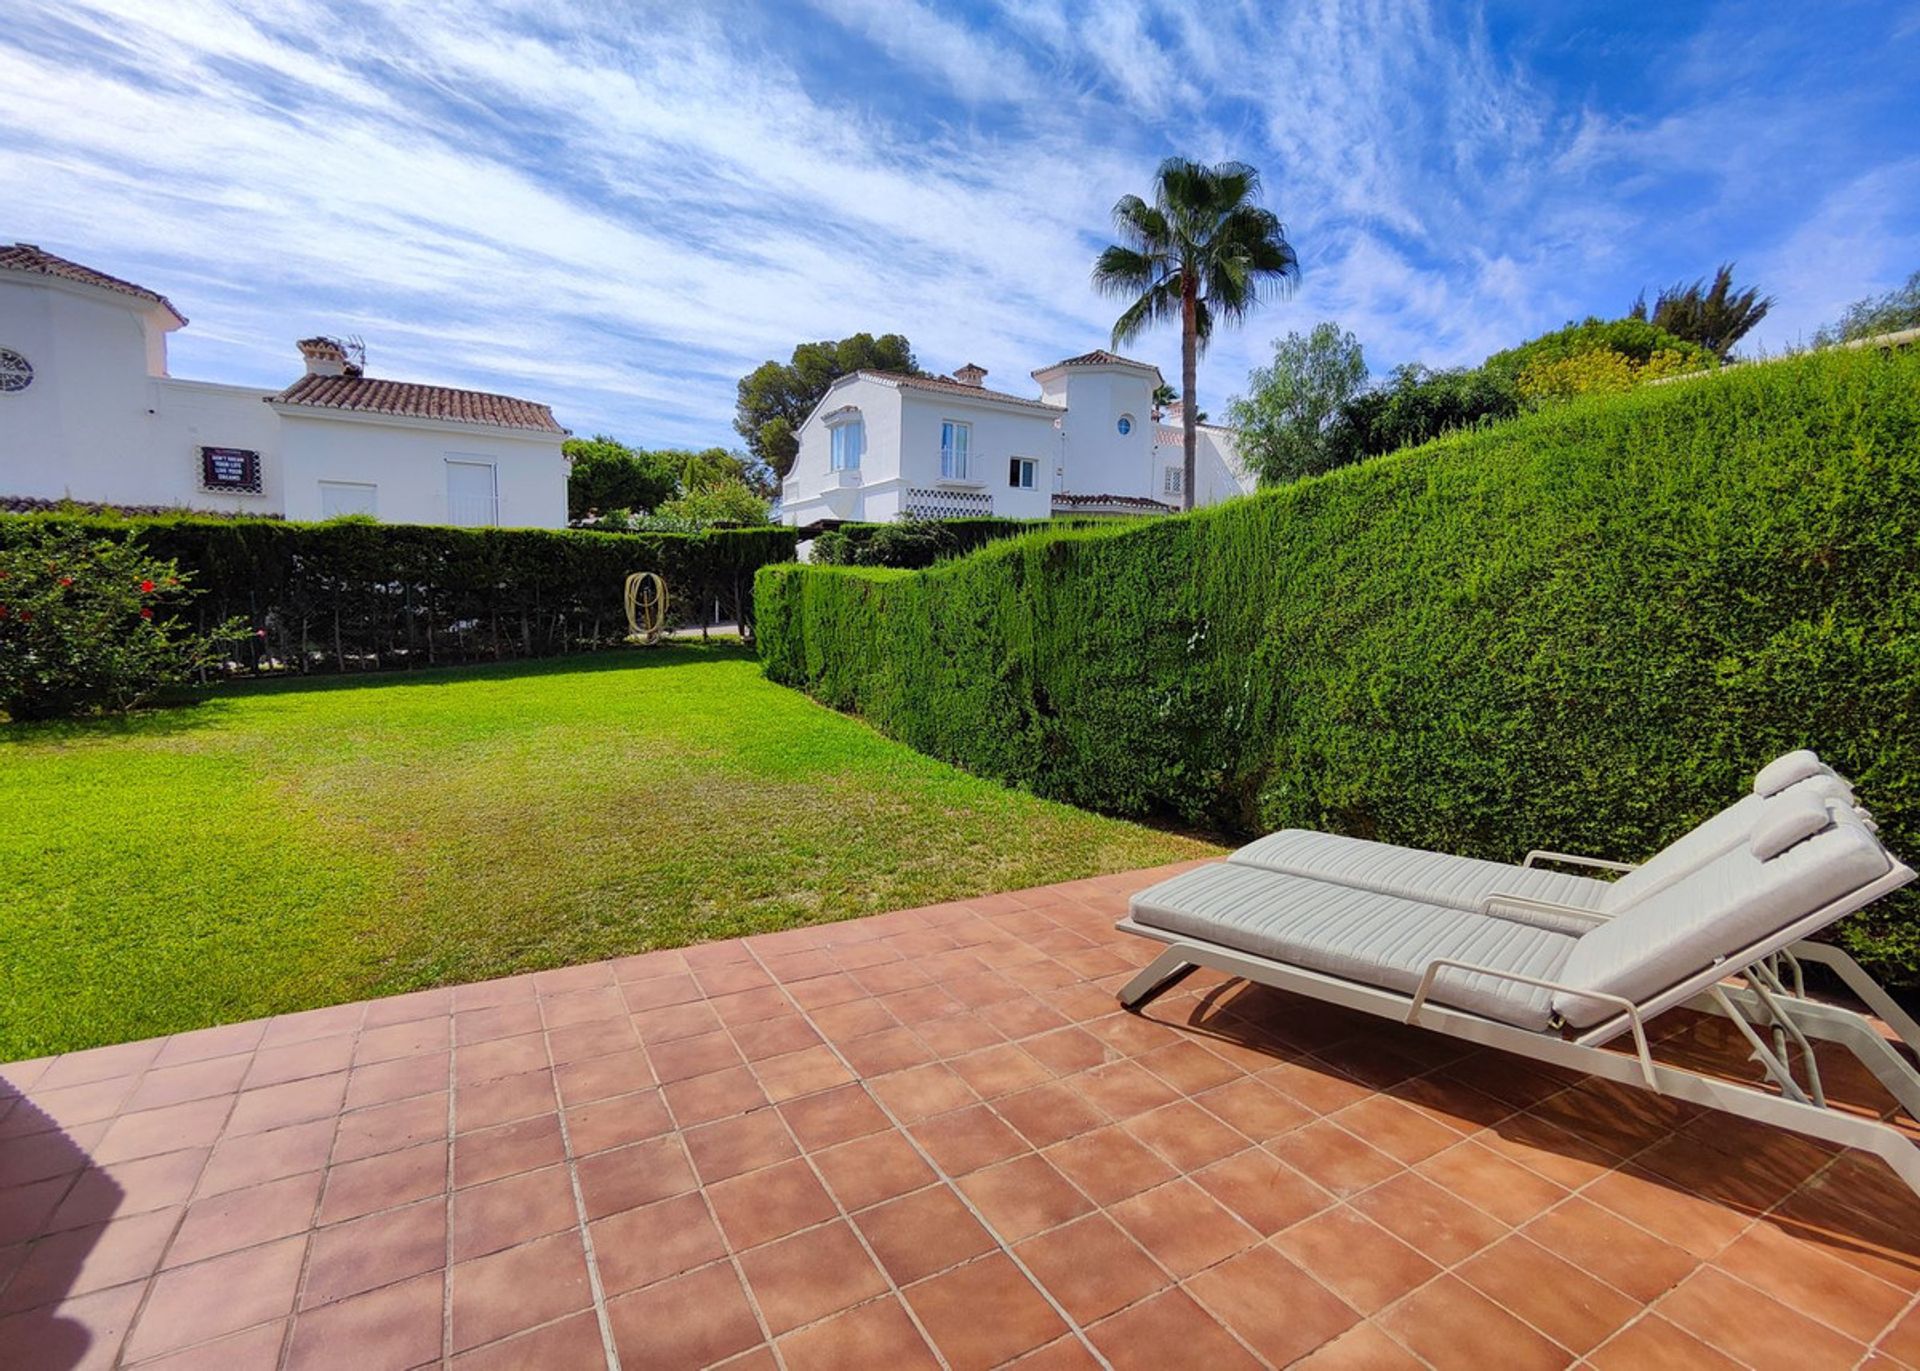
(646, 608)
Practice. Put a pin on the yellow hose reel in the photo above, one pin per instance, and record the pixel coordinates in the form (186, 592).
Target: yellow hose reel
(646, 608)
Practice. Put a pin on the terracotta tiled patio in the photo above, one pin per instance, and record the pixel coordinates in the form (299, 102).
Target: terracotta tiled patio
(920, 1139)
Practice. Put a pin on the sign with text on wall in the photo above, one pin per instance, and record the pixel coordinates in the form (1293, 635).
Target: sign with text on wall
(234, 469)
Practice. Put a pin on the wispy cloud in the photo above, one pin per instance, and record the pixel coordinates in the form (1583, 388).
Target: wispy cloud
(621, 210)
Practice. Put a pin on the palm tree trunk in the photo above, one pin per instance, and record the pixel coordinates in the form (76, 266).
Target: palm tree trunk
(1189, 419)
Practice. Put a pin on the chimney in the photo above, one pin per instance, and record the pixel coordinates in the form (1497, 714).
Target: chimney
(330, 357)
(970, 375)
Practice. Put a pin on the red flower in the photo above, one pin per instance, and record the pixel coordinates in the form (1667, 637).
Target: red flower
(26, 616)
(146, 587)
(66, 581)
(146, 614)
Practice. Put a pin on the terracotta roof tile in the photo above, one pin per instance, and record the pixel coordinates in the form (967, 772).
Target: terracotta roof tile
(1067, 500)
(948, 386)
(404, 399)
(1099, 357)
(26, 257)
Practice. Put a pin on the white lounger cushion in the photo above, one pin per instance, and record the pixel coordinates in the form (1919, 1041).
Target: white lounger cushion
(1722, 908)
(1413, 874)
(1466, 882)
(1360, 935)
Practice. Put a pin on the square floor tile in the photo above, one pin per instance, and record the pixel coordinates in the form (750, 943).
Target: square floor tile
(923, 1233)
(809, 1276)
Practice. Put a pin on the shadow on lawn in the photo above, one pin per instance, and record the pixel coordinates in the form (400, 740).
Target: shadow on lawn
(199, 708)
(578, 663)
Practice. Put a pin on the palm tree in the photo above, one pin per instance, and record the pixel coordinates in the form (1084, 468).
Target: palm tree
(1201, 252)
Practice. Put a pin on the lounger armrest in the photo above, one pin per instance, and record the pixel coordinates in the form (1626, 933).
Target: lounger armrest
(1628, 1007)
(1554, 917)
(1541, 854)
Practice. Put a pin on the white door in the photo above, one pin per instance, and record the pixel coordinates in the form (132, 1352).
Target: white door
(473, 496)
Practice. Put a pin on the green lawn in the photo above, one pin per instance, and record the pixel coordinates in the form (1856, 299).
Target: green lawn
(281, 847)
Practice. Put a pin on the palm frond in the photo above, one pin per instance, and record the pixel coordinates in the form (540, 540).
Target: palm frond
(1202, 227)
(1159, 304)
(1124, 271)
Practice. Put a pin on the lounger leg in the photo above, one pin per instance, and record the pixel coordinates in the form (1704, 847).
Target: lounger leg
(1863, 985)
(1831, 1023)
(1163, 973)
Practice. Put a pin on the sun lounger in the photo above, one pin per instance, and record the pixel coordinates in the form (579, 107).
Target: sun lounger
(1472, 883)
(1556, 982)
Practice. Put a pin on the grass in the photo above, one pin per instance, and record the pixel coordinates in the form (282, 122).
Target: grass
(283, 847)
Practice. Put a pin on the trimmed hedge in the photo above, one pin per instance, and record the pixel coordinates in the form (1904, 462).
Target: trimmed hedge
(1583, 629)
(916, 543)
(356, 595)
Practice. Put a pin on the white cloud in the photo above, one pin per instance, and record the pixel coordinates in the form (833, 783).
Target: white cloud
(621, 211)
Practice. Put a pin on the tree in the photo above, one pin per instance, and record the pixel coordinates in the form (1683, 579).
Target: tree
(606, 474)
(717, 466)
(726, 502)
(1415, 405)
(1715, 317)
(1896, 310)
(1201, 253)
(775, 398)
(1285, 421)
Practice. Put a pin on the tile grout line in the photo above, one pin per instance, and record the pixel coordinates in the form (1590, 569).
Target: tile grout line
(602, 1316)
(939, 1171)
(153, 1277)
(453, 1081)
(679, 1135)
(954, 1189)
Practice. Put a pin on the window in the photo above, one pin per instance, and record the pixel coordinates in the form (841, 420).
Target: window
(339, 498)
(1175, 483)
(473, 498)
(1125, 425)
(955, 439)
(848, 440)
(1022, 472)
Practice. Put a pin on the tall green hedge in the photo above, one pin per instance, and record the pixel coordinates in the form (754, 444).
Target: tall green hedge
(358, 595)
(1583, 630)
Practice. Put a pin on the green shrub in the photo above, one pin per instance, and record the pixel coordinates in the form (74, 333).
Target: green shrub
(91, 624)
(916, 543)
(1634, 339)
(1583, 629)
(349, 594)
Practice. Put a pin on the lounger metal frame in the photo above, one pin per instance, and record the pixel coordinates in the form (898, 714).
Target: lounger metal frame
(1761, 994)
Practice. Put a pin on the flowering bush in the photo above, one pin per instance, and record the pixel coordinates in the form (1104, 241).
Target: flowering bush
(91, 624)
(1599, 371)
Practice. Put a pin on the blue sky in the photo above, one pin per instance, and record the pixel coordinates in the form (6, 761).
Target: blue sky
(621, 208)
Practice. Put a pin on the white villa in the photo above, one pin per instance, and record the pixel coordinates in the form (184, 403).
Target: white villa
(881, 445)
(88, 412)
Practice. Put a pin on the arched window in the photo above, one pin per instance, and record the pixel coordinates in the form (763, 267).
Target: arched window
(1125, 425)
(849, 437)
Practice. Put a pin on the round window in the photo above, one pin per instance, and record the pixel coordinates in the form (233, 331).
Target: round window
(16, 373)
(1126, 424)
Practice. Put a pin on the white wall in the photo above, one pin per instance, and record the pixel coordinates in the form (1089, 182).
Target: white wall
(1100, 459)
(1085, 455)
(999, 432)
(811, 490)
(407, 466)
(1218, 472)
(102, 421)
